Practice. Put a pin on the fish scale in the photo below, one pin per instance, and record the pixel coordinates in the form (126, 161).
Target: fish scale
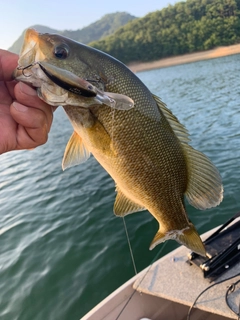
(144, 148)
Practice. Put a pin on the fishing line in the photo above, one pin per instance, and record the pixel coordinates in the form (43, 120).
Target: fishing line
(130, 247)
(227, 293)
(113, 118)
(144, 276)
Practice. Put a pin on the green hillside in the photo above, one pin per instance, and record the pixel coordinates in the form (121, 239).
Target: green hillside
(190, 26)
(95, 31)
(101, 28)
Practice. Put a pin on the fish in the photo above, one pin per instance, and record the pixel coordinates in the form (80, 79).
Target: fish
(141, 144)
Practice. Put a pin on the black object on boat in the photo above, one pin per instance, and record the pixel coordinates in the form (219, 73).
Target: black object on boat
(223, 250)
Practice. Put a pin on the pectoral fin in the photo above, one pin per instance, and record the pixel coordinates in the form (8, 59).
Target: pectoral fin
(75, 152)
(124, 206)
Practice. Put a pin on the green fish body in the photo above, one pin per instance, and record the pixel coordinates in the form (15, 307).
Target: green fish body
(144, 148)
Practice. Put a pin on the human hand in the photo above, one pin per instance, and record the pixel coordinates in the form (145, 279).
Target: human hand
(25, 119)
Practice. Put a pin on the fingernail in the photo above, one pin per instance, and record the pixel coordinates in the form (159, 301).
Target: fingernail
(19, 107)
(27, 90)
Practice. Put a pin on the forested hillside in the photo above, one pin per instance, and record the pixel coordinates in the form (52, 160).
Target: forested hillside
(185, 27)
(107, 25)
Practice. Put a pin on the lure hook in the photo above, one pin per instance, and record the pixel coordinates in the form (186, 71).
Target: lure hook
(27, 67)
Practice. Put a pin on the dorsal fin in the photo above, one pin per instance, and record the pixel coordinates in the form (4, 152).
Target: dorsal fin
(179, 129)
(124, 206)
(75, 152)
(204, 189)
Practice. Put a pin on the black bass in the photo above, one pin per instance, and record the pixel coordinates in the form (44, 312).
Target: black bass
(130, 132)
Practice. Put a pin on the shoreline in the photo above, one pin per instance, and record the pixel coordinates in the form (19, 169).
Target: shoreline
(186, 58)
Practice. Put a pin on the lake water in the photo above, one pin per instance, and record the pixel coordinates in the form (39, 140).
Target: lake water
(62, 250)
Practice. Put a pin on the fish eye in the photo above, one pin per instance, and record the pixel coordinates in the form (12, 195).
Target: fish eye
(61, 51)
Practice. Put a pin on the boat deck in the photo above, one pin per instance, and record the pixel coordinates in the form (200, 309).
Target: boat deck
(172, 278)
(166, 290)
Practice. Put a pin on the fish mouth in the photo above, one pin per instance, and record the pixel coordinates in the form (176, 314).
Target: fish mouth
(68, 80)
(32, 57)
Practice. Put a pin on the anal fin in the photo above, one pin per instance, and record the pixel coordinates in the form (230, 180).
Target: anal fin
(124, 205)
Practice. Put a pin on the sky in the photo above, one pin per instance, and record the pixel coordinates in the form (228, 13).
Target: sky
(17, 15)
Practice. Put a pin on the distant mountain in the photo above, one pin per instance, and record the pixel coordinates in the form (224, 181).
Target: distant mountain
(107, 25)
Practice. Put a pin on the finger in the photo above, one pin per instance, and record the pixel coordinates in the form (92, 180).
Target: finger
(27, 96)
(8, 62)
(7, 128)
(32, 129)
(33, 116)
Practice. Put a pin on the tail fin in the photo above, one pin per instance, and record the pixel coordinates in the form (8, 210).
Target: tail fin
(187, 237)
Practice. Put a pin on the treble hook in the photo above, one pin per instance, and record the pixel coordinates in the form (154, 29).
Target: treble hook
(27, 67)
